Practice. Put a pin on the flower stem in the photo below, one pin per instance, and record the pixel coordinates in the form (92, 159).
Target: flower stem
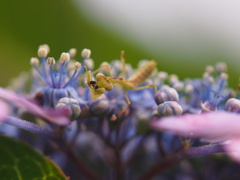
(205, 150)
(173, 159)
(28, 126)
(82, 168)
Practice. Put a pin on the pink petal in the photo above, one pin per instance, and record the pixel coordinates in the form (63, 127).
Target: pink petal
(232, 148)
(55, 116)
(212, 126)
(4, 110)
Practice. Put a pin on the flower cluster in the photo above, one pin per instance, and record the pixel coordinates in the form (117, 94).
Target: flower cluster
(117, 122)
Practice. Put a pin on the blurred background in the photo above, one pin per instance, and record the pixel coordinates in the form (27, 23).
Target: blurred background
(183, 36)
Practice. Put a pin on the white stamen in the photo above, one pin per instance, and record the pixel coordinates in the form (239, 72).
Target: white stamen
(65, 57)
(86, 53)
(178, 86)
(51, 61)
(209, 69)
(42, 52)
(224, 76)
(206, 75)
(45, 46)
(221, 67)
(34, 61)
(173, 78)
(89, 63)
(188, 88)
(77, 65)
(162, 75)
(72, 52)
(210, 80)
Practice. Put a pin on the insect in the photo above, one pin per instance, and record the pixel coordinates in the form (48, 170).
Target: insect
(104, 83)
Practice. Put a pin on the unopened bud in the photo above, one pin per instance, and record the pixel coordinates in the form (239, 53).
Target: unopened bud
(233, 105)
(166, 94)
(72, 105)
(169, 108)
(99, 107)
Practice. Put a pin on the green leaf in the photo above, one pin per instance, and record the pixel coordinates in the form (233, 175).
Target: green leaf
(19, 162)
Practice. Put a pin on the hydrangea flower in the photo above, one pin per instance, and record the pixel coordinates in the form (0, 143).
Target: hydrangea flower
(109, 122)
(212, 127)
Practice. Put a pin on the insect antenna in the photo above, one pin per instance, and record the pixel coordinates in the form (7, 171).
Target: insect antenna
(111, 68)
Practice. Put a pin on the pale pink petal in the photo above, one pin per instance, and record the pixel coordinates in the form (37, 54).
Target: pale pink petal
(55, 116)
(212, 126)
(4, 110)
(232, 148)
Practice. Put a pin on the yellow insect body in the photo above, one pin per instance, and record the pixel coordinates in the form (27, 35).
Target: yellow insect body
(140, 76)
(103, 83)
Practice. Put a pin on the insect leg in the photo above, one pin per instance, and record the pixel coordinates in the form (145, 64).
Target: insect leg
(128, 102)
(147, 86)
(123, 65)
(104, 66)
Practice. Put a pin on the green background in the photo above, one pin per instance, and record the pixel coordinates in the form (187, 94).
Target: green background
(27, 24)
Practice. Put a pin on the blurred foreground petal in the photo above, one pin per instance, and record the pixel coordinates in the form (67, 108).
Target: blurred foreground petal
(232, 147)
(55, 116)
(4, 110)
(212, 126)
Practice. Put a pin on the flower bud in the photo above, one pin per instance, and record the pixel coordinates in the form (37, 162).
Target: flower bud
(169, 108)
(233, 105)
(166, 94)
(72, 105)
(99, 107)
